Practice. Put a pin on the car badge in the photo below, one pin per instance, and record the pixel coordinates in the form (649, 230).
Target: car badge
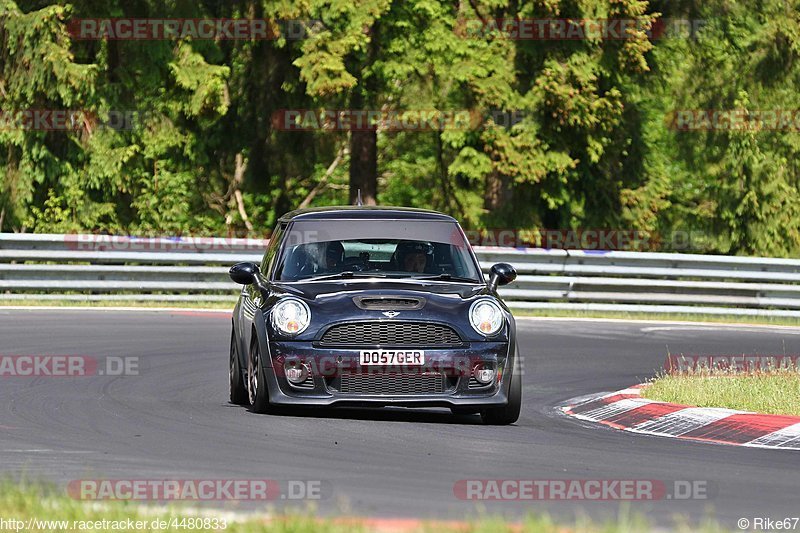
(390, 314)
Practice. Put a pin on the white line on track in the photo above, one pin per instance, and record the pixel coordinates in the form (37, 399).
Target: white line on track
(88, 308)
(664, 323)
(46, 451)
(711, 328)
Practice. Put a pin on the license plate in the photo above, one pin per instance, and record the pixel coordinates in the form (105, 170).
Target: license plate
(392, 357)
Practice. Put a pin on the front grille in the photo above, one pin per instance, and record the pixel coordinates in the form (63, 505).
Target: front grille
(406, 334)
(392, 384)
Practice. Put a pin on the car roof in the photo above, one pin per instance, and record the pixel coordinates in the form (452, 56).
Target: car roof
(370, 212)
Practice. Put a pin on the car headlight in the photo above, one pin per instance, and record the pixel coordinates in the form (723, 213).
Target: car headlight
(291, 316)
(486, 317)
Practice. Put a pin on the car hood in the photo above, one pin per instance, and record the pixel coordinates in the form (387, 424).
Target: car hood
(324, 292)
(339, 302)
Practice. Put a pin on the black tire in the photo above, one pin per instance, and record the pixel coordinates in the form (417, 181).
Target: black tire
(238, 391)
(509, 413)
(258, 394)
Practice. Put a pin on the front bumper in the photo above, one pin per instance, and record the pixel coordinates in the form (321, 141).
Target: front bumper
(329, 366)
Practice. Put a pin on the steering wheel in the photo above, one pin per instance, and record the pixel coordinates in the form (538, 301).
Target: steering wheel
(356, 264)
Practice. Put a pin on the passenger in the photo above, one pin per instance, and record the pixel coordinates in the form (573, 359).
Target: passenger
(334, 256)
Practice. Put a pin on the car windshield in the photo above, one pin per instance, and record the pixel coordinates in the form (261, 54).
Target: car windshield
(382, 248)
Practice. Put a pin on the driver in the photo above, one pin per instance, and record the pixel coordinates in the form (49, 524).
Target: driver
(414, 257)
(414, 262)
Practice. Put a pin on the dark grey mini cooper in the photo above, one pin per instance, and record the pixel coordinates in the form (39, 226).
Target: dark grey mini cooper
(373, 306)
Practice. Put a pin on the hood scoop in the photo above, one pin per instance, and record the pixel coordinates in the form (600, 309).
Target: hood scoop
(389, 303)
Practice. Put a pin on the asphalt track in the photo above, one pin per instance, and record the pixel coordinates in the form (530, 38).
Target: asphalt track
(173, 421)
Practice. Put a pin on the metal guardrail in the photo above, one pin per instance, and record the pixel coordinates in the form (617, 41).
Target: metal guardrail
(90, 267)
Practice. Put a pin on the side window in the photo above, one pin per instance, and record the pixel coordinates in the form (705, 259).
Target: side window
(272, 249)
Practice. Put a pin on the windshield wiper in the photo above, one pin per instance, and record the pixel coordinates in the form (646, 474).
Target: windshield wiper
(446, 277)
(345, 274)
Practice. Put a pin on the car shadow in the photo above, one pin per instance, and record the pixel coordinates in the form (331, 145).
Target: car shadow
(382, 414)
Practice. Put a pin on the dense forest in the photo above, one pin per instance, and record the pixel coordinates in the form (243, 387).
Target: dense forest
(683, 117)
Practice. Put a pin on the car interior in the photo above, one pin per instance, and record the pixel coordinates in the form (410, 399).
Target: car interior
(384, 256)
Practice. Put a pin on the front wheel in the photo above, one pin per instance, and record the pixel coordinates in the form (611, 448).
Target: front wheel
(509, 413)
(257, 392)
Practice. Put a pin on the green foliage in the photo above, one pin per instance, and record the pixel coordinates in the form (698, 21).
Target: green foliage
(564, 134)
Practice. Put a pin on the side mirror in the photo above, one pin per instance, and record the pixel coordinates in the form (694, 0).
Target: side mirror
(244, 273)
(501, 274)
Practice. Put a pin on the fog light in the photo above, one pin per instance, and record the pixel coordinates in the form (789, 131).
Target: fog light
(295, 372)
(484, 374)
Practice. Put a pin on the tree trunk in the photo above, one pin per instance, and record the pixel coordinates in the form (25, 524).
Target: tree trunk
(364, 166)
(497, 193)
(364, 142)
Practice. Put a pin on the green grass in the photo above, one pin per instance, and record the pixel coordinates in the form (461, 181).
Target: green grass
(42, 502)
(24, 501)
(776, 393)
